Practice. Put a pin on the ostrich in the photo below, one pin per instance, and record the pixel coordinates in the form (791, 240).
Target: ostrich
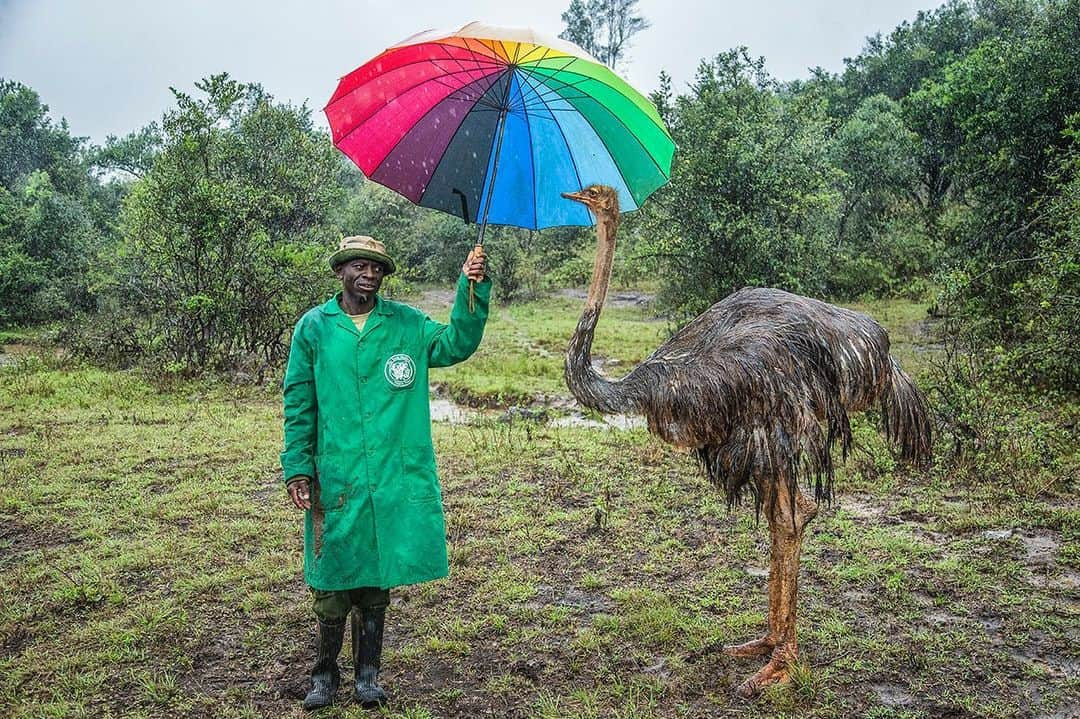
(759, 387)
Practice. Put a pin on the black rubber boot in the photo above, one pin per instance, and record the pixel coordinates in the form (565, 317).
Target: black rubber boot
(367, 634)
(326, 675)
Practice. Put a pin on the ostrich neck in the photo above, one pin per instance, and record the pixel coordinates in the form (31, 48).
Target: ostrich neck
(601, 276)
(585, 383)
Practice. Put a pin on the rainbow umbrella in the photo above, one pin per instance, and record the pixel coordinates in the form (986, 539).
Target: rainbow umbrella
(492, 124)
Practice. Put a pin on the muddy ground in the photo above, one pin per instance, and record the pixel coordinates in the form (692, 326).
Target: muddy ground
(152, 567)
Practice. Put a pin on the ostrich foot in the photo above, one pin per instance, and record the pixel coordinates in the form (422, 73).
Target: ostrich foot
(774, 672)
(756, 648)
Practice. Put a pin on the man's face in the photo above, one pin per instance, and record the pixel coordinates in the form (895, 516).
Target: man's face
(361, 277)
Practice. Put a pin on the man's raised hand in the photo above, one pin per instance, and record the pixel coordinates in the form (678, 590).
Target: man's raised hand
(475, 265)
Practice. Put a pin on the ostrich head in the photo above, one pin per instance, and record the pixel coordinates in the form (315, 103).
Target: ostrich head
(601, 199)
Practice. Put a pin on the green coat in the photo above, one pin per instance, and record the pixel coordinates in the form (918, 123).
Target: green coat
(357, 419)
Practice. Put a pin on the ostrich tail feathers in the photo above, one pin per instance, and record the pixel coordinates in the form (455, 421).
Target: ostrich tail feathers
(906, 418)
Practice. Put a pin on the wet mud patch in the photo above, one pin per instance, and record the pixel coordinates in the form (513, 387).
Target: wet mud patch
(13, 641)
(607, 421)
(17, 537)
(572, 597)
(625, 298)
(892, 695)
(1040, 548)
(8, 454)
(860, 506)
(271, 489)
(1036, 549)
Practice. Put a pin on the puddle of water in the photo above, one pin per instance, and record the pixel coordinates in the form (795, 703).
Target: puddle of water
(755, 571)
(1055, 666)
(859, 506)
(1040, 548)
(1068, 581)
(609, 421)
(613, 299)
(590, 602)
(443, 410)
(941, 618)
(892, 695)
(540, 411)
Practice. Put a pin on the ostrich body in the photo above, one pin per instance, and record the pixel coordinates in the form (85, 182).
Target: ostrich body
(759, 387)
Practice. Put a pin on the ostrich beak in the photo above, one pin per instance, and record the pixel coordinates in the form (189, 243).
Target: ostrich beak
(575, 196)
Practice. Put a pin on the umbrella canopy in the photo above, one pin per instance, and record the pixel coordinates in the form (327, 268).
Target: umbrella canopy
(493, 124)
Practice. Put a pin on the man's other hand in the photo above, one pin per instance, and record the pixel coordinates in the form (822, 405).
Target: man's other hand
(475, 265)
(300, 493)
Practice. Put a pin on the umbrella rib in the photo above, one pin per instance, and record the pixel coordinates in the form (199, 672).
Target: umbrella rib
(570, 152)
(439, 81)
(586, 78)
(443, 157)
(619, 120)
(532, 160)
(426, 59)
(551, 91)
(377, 110)
(428, 112)
(502, 44)
(622, 175)
(532, 73)
(446, 48)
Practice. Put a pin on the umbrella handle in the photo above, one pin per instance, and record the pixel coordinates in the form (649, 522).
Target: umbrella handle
(472, 283)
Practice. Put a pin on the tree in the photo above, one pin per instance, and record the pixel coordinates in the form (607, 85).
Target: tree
(224, 238)
(751, 200)
(1011, 100)
(49, 227)
(133, 154)
(875, 150)
(29, 141)
(908, 66)
(881, 241)
(603, 28)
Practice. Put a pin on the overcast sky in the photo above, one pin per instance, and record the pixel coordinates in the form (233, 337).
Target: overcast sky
(106, 65)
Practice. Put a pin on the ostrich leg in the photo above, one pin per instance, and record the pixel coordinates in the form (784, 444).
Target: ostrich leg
(786, 532)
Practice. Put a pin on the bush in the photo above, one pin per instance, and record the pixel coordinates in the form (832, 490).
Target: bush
(996, 434)
(1024, 311)
(49, 227)
(752, 196)
(224, 241)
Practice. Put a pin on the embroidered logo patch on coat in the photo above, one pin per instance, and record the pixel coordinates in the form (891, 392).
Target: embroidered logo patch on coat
(400, 370)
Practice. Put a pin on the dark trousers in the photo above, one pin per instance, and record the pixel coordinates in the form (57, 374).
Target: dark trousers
(334, 605)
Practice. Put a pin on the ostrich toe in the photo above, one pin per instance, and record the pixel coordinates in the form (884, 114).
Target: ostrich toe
(755, 648)
(774, 672)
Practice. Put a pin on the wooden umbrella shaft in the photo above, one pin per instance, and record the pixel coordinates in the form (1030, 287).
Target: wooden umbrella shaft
(487, 200)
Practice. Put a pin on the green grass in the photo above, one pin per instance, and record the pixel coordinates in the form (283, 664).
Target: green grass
(910, 333)
(521, 357)
(151, 566)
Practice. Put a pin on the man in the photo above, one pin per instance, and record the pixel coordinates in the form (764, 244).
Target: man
(358, 454)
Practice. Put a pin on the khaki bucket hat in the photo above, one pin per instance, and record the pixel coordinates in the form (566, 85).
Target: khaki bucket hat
(362, 246)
